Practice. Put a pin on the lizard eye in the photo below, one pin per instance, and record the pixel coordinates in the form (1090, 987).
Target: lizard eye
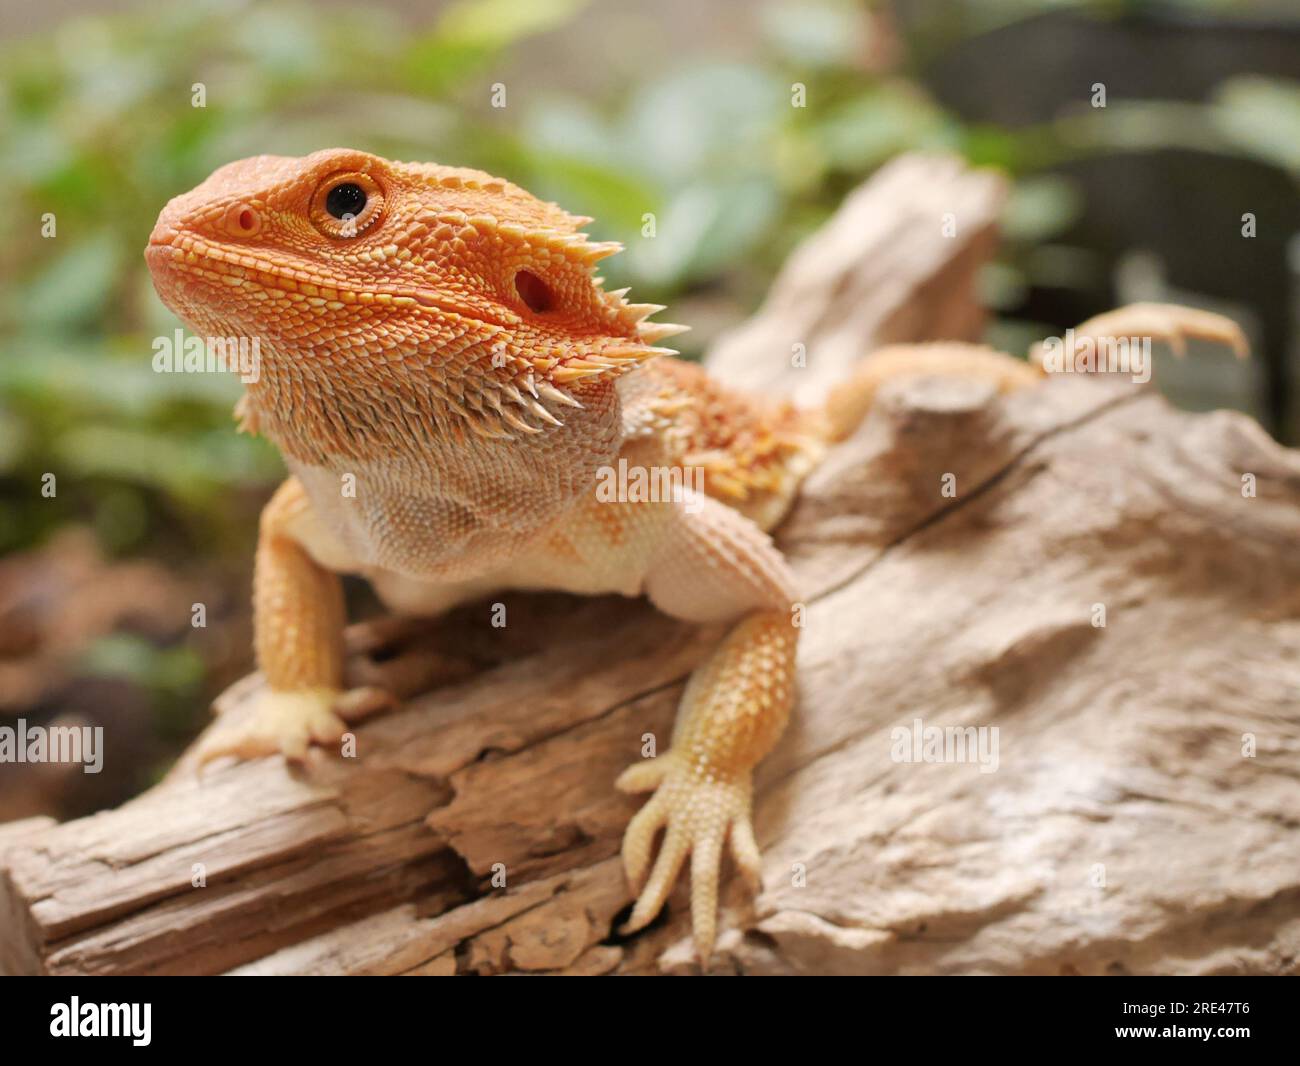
(534, 292)
(346, 205)
(346, 198)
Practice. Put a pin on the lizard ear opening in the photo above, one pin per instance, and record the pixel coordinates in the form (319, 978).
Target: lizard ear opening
(534, 292)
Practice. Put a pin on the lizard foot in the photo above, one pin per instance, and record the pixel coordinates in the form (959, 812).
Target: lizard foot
(289, 722)
(698, 812)
(1170, 323)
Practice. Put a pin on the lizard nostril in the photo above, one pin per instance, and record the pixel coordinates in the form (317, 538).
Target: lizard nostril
(242, 221)
(164, 233)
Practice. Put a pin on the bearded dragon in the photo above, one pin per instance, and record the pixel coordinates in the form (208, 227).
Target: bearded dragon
(446, 379)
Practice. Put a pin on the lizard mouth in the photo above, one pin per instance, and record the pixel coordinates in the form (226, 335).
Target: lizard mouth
(171, 255)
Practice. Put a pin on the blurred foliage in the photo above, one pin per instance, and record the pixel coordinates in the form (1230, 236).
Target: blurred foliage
(97, 130)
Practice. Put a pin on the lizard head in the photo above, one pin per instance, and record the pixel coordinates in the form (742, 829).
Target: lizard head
(397, 303)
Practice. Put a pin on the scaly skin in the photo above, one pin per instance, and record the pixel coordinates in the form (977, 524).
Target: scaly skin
(446, 380)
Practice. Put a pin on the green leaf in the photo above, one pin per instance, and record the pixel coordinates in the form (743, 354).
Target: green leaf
(75, 287)
(867, 130)
(494, 24)
(1040, 207)
(704, 227)
(714, 117)
(1262, 115)
(816, 34)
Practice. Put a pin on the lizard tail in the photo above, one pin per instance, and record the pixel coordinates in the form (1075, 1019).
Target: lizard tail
(849, 404)
(1118, 340)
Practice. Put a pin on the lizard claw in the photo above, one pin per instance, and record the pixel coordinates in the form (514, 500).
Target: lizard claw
(699, 813)
(644, 776)
(1170, 323)
(289, 722)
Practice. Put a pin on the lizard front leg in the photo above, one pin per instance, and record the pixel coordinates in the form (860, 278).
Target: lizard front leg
(711, 565)
(298, 619)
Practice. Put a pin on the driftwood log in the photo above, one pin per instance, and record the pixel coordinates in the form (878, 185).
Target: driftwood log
(1111, 584)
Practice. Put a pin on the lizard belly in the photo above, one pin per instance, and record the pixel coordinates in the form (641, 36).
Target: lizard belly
(403, 594)
(599, 548)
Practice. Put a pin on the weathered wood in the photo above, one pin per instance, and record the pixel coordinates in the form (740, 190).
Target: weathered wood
(1123, 830)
